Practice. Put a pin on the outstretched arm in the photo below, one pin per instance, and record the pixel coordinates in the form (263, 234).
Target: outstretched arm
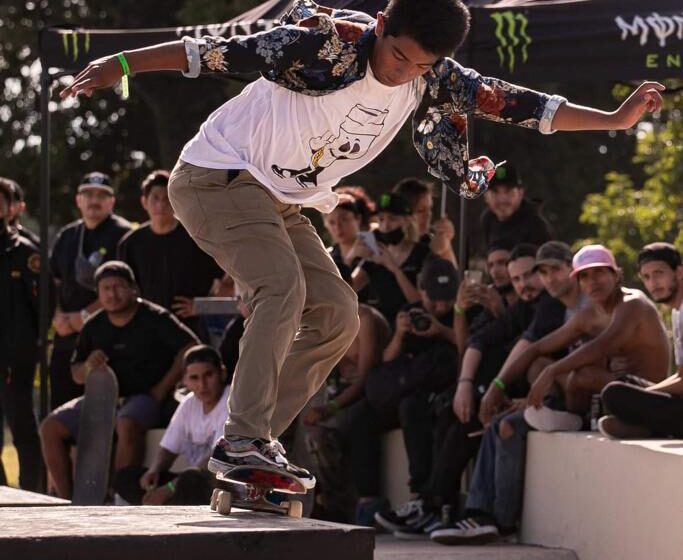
(647, 98)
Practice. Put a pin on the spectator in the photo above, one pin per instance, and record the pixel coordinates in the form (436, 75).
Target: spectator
(454, 444)
(364, 204)
(420, 197)
(79, 249)
(16, 209)
(19, 277)
(143, 344)
(161, 253)
(478, 304)
(419, 362)
(509, 216)
(656, 410)
(629, 343)
(192, 432)
(343, 225)
(391, 274)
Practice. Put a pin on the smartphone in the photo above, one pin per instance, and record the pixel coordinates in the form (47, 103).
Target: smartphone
(474, 277)
(370, 240)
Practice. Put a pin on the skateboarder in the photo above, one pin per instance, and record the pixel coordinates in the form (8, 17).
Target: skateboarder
(336, 88)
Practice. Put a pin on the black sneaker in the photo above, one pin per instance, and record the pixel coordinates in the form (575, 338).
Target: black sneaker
(237, 451)
(420, 528)
(396, 519)
(479, 529)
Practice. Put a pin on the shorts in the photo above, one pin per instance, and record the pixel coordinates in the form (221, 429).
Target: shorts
(142, 408)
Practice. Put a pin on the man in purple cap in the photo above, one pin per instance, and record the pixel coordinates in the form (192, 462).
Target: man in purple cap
(627, 342)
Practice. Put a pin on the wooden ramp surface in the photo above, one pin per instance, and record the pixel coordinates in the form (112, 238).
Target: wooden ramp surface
(174, 533)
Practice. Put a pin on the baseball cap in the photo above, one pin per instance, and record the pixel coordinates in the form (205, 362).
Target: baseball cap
(593, 256)
(553, 252)
(439, 279)
(394, 204)
(96, 180)
(507, 175)
(118, 269)
(660, 251)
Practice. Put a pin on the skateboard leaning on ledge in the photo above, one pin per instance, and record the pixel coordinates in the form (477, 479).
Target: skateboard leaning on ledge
(259, 489)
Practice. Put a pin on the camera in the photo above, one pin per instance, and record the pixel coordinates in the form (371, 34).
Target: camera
(420, 321)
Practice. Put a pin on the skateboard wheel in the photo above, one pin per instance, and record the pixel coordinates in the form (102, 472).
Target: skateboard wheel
(214, 499)
(224, 502)
(295, 508)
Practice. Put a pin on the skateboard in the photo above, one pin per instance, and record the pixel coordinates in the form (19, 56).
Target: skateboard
(95, 435)
(258, 489)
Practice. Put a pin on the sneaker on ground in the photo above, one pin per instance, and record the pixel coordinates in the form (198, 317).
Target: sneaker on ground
(612, 427)
(546, 419)
(421, 528)
(470, 530)
(396, 519)
(238, 451)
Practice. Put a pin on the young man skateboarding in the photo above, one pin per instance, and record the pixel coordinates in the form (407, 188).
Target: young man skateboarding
(336, 87)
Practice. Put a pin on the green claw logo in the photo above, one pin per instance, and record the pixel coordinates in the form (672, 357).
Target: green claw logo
(511, 33)
(70, 43)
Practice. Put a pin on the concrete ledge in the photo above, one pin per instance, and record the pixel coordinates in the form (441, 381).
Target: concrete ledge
(144, 533)
(13, 497)
(604, 499)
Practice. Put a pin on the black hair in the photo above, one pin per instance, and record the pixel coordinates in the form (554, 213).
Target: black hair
(202, 353)
(499, 245)
(523, 250)
(157, 178)
(439, 26)
(8, 189)
(365, 206)
(412, 190)
(660, 251)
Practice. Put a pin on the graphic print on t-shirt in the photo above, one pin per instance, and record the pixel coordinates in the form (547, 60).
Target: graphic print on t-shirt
(356, 134)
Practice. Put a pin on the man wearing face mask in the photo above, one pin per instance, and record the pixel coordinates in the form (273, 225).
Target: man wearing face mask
(509, 216)
(19, 273)
(79, 249)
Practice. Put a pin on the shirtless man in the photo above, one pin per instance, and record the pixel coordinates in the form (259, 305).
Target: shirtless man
(628, 340)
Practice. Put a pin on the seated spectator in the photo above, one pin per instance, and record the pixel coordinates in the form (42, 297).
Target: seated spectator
(161, 253)
(391, 274)
(143, 344)
(629, 343)
(509, 216)
(454, 444)
(657, 410)
(419, 362)
(420, 196)
(192, 433)
(343, 225)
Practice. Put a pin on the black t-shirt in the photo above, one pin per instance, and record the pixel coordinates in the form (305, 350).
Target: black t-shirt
(168, 265)
(384, 293)
(526, 225)
(141, 352)
(99, 246)
(549, 317)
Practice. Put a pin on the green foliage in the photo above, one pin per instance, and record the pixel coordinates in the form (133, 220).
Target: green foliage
(629, 213)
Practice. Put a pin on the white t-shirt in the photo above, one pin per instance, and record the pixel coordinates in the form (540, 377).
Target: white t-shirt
(677, 328)
(191, 432)
(300, 146)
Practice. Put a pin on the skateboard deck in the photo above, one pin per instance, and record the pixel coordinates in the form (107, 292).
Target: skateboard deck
(259, 489)
(95, 435)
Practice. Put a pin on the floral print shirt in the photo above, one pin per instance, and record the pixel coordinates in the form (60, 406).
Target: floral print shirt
(318, 50)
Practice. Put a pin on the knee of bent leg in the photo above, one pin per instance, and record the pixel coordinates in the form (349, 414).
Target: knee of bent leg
(128, 429)
(52, 429)
(505, 429)
(344, 319)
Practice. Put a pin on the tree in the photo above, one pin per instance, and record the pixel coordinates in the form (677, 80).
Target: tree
(631, 213)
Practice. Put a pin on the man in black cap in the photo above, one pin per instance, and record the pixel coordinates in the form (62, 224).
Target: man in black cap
(16, 209)
(143, 344)
(19, 273)
(509, 216)
(79, 249)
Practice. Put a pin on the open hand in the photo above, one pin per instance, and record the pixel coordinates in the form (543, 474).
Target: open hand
(99, 74)
(646, 99)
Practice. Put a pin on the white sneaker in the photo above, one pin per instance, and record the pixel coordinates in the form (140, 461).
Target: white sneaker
(546, 419)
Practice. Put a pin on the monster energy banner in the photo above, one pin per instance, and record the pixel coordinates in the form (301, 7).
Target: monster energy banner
(579, 40)
(529, 41)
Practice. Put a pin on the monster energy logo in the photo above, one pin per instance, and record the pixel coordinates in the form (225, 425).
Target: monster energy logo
(511, 34)
(70, 43)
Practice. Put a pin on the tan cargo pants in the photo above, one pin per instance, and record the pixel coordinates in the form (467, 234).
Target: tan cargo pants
(303, 315)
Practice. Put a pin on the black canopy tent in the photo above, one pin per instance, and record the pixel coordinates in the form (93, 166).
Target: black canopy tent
(517, 40)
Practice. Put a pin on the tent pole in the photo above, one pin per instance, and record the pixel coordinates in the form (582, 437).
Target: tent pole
(44, 313)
